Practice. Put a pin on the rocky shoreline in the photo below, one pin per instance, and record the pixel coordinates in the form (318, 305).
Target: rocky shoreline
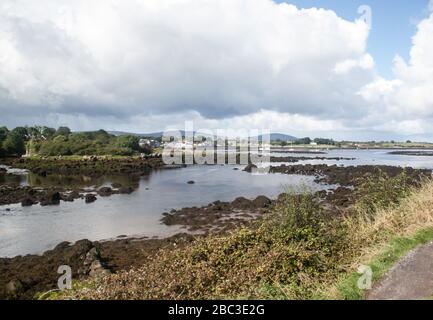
(297, 159)
(423, 153)
(344, 176)
(91, 167)
(22, 277)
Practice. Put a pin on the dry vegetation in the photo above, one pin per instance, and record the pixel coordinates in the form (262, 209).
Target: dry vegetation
(297, 252)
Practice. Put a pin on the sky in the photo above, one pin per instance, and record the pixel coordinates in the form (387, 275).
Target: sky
(306, 68)
(394, 24)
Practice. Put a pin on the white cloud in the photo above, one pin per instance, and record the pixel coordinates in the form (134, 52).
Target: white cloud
(221, 58)
(145, 64)
(407, 101)
(365, 62)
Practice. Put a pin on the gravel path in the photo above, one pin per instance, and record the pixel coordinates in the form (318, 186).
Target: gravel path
(410, 279)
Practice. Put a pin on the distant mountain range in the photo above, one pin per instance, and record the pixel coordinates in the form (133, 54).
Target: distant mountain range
(282, 137)
(274, 136)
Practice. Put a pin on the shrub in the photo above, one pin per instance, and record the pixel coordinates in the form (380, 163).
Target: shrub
(380, 191)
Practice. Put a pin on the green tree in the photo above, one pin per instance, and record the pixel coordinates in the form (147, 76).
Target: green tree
(63, 131)
(14, 144)
(34, 133)
(3, 134)
(129, 141)
(48, 132)
(21, 132)
(305, 140)
(324, 141)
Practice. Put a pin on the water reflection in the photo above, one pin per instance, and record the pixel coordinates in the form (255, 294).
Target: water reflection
(35, 229)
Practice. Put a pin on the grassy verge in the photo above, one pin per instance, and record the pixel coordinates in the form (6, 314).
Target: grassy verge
(298, 251)
(397, 248)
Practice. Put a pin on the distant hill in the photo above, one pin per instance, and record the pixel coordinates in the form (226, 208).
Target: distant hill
(281, 137)
(274, 136)
(123, 133)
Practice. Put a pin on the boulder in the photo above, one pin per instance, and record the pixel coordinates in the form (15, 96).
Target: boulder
(241, 203)
(90, 198)
(71, 196)
(52, 198)
(250, 168)
(116, 185)
(126, 190)
(261, 202)
(27, 202)
(105, 191)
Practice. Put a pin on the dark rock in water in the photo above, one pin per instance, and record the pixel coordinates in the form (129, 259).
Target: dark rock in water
(250, 168)
(126, 190)
(90, 198)
(8, 209)
(71, 196)
(191, 182)
(169, 220)
(105, 191)
(51, 199)
(236, 169)
(3, 170)
(419, 153)
(116, 185)
(55, 196)
(27, 202)
(261, 202)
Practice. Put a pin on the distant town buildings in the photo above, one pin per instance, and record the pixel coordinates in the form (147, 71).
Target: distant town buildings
(143, 143)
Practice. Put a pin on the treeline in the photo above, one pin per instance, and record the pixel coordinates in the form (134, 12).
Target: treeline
(308, 140)
(45, 141)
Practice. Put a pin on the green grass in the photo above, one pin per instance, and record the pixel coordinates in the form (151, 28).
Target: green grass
(383, 262)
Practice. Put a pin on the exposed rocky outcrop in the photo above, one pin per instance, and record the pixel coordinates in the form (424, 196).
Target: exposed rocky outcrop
(347, 176)
(218, 216)
(24, 276)
(92, 166)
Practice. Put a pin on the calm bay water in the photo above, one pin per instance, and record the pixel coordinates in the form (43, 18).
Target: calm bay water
(35, 229)
(25, 230)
